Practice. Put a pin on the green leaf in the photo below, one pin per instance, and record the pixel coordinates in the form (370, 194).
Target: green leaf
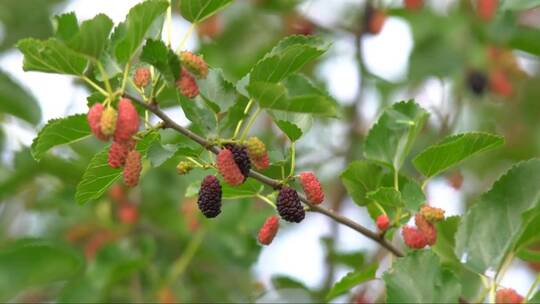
(248, 189)
(17, 101)
(519, 5)
(351, 280)
(284, 282)
(454, 149)
(51, 56)
(156, 53)
(444, 247)
(525, 39)
(34, 262)
(491, 227)
(390, 139)
(92, 36)
(362, 177)
(294, 125)
(99, 176)
(66, 26)
(295, 94)
(217, 90)
(535, 298)
(58, 132)
(412, 194)
(419, 278)
(200, 117)
(198, 10)
(386, 196)
(129, 35)
(287, 57)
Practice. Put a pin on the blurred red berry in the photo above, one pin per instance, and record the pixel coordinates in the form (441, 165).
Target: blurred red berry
(486, 9)
(269, 230)
(508, 296)
(383, 222)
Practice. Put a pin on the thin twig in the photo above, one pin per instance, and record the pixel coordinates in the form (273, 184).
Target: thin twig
(169, 123)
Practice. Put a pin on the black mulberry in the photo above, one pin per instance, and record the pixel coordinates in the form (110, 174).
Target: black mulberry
(241, 158)
(210, 197)
(289, 206)
(477, 82)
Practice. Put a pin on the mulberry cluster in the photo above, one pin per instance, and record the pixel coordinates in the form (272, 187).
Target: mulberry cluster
(312, 187)
(426, 228)
(425, 232)
(268, 230)
(289, 206)
(508, 296)
(119, 151)
(241, 158)
(142, 76)
(132, 169)
(210, 197)
(194, 64)
(383, 222)
(187, 84)
(228, 168)
(413, 237)
(257, 153)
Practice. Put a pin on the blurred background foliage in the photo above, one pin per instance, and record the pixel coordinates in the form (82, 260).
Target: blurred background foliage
(150, 244)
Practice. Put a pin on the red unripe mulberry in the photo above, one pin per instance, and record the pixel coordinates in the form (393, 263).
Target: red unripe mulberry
(508, 295)
(269, 230)
(127, 123)
(427, 229)
(312, 187)
(500, 84)
(128, 213)
(94, 121)
(374, 20)
(228, 168)
(486, 9)
(119, 151)
(414, 5)
(187, 84)
(383, 222)
(413, 237)
(142, 76)
(132, 169)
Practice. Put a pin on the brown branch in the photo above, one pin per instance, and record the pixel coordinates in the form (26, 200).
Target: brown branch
(169, 123)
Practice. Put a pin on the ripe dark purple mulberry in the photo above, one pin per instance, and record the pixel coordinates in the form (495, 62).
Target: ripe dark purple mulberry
(477, 82)
(241, 158)
(289, 206)
(210, 197)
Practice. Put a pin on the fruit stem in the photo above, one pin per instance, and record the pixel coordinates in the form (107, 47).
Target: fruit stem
(291, 173)
(239, 124)
(533, 287)
(250, 123)
(186, 37)
(266, 200)
(95, 85)
(105, 79)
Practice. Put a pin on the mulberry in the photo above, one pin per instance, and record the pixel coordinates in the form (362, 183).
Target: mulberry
(228, 168)
(119, 151)
(426, 228)
(413, 237)
(241, 158)
(94, 121)
(127, 123)
(269, 230)
(500, 84)
(128, 213)
(289, 206)
(414, 5)
(477, 82)
(142, 76)
(187, 84)
(383, 222)
(312, 187)
(508, 295)
(184, 167)
(107, 122)
(132, 169)
(195, 64)
(432, 214)
(210, 197)
(374, 20)
(261, 163)
(255, 148)
(486, 9)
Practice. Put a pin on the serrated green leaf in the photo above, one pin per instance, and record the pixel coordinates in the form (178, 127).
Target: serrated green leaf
(294, 125)
(51, 56)
(129, 35)
(390, 139)
(66, 26)
(58, 132)
(445, 245)
(92, 36)
(412, 195)
(198, 10)
(351, 280)
(200, 118)
(156, 53)
(453, 150)
(217, 90)
(491, 227)
(17, 101)
(33, 262)
(295, 94)
(386, 196)
(99, 176)
(287, 57)
(419, 278)
(362, 177)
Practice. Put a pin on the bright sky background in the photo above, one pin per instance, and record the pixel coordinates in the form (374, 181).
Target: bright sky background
(296, 251)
